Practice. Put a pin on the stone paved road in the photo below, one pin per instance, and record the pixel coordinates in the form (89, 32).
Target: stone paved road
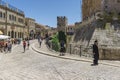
(34, 66)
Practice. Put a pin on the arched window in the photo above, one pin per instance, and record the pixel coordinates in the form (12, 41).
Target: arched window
(15, 34)
(9, 33)
(18, 35)
(119, 13)
(118, 1)
(12, 34)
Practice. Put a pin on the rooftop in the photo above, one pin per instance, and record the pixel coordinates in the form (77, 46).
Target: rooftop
(4, 4)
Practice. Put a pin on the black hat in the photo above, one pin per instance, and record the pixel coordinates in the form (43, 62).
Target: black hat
(96, 41)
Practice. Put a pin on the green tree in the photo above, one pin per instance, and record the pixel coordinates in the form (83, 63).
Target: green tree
(55, 42)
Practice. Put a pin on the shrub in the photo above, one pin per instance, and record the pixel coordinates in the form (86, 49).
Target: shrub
(61, 36)
(55, 42)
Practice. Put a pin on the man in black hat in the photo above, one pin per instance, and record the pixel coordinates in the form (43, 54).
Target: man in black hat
(95, 53)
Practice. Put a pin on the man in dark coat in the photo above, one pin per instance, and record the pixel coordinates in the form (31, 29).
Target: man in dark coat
(95, 53)
(62, 48)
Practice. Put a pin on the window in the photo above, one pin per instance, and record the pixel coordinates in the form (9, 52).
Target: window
(0, 14)
(106, 7)
(15, 18)
(18, 35)
(4, 15)
(9, 33)
(12, 34)
(110, 13)
(15, 34)
(20, 20)
(118, 1)
(10, 17)
(119, 13)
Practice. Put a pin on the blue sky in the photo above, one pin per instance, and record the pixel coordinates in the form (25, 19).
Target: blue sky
(46, 11)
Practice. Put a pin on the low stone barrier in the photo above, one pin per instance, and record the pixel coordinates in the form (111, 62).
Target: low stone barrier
(109, 53)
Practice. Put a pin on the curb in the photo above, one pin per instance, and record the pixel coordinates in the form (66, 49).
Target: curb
(68, 58)
(41, 52)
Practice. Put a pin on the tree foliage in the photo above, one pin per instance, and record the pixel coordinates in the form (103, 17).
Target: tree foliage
(61, 36)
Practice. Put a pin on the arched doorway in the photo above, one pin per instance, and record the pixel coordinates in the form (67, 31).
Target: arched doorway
(9, 33)
(12, 34)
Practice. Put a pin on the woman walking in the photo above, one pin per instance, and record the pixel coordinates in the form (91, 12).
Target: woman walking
(9, 46)
(24, 45)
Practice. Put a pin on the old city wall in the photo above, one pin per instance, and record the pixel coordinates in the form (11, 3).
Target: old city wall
(85, 36)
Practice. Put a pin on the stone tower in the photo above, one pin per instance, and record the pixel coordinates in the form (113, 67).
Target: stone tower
(90, 7)
(61, 23)
(111, 6)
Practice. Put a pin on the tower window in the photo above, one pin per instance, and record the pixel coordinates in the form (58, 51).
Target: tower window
(118, 1)
(119, 13)
(106, 6)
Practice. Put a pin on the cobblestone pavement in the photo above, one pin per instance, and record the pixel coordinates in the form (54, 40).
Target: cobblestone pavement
(34, 66)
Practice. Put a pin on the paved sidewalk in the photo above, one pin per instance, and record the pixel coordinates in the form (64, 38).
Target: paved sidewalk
(44, 50)
(2, 54)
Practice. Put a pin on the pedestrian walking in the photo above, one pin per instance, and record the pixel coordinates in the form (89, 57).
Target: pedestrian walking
(5, 46)
(39, 40)
(1, 46)
(9, 46)
(24, 45)
(62, 48)
(95, 53)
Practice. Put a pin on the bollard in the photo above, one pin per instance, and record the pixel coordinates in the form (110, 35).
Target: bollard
(70, 48)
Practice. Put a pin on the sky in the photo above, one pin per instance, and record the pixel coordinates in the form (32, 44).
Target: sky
(45, 12)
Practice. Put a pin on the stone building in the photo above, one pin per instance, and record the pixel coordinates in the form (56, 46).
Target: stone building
(62, 23)
(30, 26)
(11, 20)
(91, 7)
(40, 29)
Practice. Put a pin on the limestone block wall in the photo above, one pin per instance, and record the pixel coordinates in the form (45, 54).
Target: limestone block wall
(109, 53)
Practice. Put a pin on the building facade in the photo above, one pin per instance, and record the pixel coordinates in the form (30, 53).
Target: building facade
(30, 26)
(62, 23)
(91, 7)
(12, 20)
(40, 29)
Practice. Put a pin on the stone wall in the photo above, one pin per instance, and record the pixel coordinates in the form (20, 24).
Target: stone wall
(112, 6)
(109, 53)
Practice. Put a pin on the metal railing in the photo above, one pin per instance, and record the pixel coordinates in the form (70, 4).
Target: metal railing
(80, 50)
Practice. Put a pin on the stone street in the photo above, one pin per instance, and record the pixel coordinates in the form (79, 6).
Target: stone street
(34, 66)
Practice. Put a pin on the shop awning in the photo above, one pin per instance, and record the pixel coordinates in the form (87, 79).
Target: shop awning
(4, 37)
(1, 32)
